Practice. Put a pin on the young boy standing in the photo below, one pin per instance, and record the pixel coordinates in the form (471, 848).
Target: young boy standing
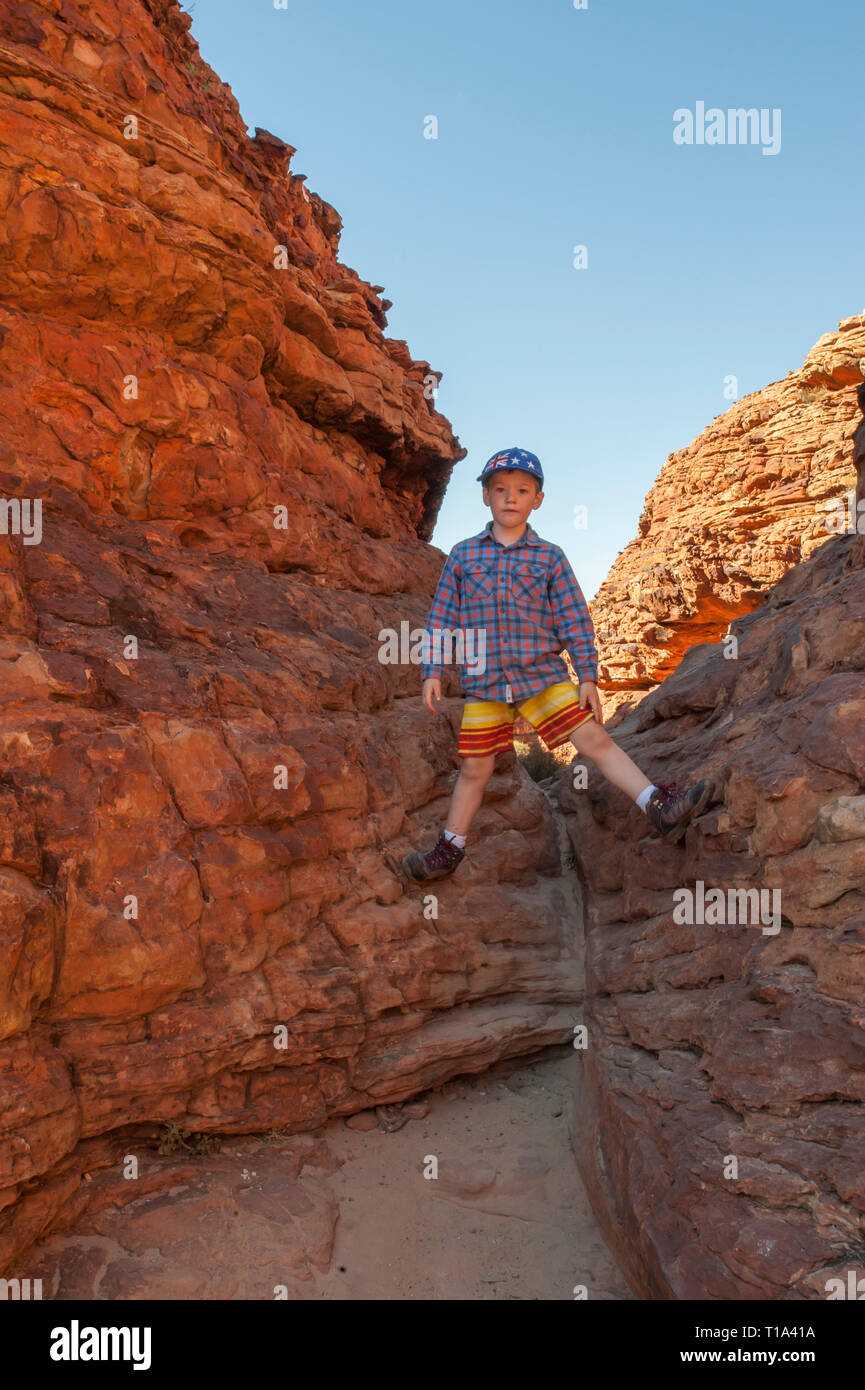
(521, 592)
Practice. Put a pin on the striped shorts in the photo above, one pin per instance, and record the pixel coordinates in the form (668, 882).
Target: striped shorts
(488, 725)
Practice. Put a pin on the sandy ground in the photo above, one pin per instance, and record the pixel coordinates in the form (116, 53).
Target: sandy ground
(507, 1216)
(346, 1212)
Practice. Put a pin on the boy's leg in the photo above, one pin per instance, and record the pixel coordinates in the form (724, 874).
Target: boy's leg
(668, 808)
(590, 738)
(468, 793)
(556, 715)
(486, 729)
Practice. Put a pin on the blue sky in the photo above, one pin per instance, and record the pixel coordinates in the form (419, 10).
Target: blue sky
(555, 129)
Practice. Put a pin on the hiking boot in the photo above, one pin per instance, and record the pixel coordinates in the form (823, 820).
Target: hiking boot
(670, 810)
(441, 861)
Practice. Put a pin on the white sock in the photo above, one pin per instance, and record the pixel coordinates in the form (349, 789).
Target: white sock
(644, 797)
(459, 840)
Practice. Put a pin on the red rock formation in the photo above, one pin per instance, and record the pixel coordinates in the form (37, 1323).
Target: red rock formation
(728, 516)
(724, 1077)
(201, 752)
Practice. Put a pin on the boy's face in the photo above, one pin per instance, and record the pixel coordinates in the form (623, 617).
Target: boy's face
(511, 494)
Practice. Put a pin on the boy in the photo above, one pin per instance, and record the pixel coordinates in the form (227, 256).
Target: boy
(520, 592)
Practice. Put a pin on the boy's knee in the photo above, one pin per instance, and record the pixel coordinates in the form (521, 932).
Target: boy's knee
(590, 737)
(478, 769)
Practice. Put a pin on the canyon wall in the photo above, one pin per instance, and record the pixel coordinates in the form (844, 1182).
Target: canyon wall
(723, 1082)
(202, 757)
(757, 492)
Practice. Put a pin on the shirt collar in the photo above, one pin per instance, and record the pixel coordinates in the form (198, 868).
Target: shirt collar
(529, 537)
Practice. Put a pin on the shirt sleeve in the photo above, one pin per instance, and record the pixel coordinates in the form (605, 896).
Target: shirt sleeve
(445, 610)
(573, 620)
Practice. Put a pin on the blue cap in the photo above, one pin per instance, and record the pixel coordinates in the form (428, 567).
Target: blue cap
(513, 458)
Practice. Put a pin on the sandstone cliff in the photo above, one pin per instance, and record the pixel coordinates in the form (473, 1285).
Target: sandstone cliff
(723, 1083)
(728, 516)
(202, 756)
(201, 753)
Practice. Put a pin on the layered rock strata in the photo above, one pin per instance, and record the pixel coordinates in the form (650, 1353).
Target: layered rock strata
(219, 478)
(763, 487)
(723, 1084)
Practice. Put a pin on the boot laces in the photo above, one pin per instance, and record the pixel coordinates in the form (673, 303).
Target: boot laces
(667, 789)
(442, 853)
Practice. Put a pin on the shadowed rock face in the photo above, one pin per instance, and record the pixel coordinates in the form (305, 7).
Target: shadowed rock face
(859, 452)
(724, 1080)
(202, 755)
(729, 514)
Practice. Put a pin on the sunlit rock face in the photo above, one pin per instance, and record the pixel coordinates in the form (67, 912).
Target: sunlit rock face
(227, 477)
(763, 487)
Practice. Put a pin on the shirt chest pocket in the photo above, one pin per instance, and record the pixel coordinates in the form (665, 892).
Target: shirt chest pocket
(479, 581)
(529, 589)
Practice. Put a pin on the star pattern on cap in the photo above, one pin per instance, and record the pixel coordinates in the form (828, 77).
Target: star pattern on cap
(512, 458)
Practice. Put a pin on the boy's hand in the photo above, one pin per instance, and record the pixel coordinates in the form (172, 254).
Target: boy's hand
(589, 698)
(432, 687)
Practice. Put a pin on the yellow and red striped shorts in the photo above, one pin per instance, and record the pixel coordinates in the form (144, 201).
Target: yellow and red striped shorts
(488, 725)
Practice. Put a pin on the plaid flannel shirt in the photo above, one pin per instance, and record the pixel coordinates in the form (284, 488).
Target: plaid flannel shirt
(527, 600)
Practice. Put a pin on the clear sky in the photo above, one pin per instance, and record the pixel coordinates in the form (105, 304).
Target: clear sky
(555, 130)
